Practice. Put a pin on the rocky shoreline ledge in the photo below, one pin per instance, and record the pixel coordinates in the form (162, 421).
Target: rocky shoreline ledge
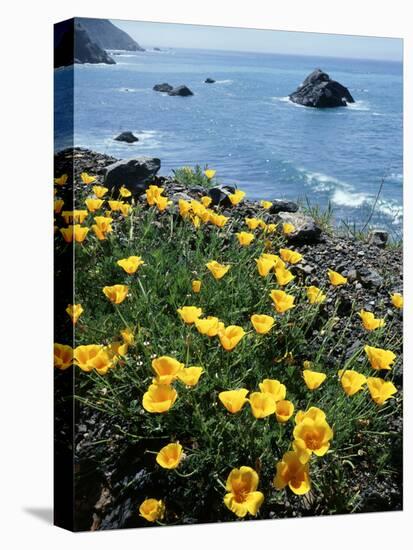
(374, 270)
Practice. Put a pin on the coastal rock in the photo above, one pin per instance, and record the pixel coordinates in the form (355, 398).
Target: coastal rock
(369, 277)
(378, 237)
(220, 195)
(318, 90)
(306, 229)
(127, 137)
(72, 44)
(209, 81)
(165, 87)
(108, 36)
(182, 91)
(135, 174)
(283, 206)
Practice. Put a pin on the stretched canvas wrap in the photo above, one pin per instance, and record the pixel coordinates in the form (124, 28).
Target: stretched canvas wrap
(228, 274)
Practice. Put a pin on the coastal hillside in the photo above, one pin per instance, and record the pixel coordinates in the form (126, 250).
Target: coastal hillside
(109, 37)
(215, 336)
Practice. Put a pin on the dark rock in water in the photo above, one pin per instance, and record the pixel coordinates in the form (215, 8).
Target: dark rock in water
(127, 137)
(283, 206)
(220, 195)
(157, 50)
(183, 91)
(165, 87)
(135, 174)
(72, 44)
(378, 237)
(318, 90)
(306, 229)
(107, 36)
(209, 81)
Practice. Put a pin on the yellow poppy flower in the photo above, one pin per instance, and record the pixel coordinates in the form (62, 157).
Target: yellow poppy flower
(370, 322)
(63, 356)
(397, 300)
(252, 223)
(206, 201)
(58, 205)
(242, 497)
(61, 180)
(127, 336)
(74, 311)
(315, 295)
(152, 509)
(233, 400)
(115, 205)
(288, 228)
(335, 278)
(208, 326)
(270, 228)
(166, 369)
(196, 286)
(315, 433)
(189, 314)
(116, 293)
(131, 264)
(86, 178)
(93, 204)
(264, 266)
(290, 256)
(170, 456)
(218, 270)
(284, 410)
(100, 191)
(262, 323)
(380, 390)
(351, 381)
(210, 173)
(219, 220)
(76, 216)
(124, 192)
(101, 235)
(283, 275)
(277, 261)
(67, 233)
(196, 221)
(293, 472)
(273, 387)
(159, 398)
(230, 336)
(125, 209)
(314, 413)
(190, 376)
(312, 379)
(244, 238)
(380, 359)
(282, 301)
(104, 223)
(162, 203)
(153, 193)
(266, 204)
(262, 404)
(91, 357)
(236, 197)
(184, 208)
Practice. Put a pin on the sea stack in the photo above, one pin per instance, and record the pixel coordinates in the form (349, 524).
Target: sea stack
(320, 91)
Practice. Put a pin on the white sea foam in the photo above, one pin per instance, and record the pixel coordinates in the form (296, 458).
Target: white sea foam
(132, 90)
(349, 198)
(359, 105)
(224, 81)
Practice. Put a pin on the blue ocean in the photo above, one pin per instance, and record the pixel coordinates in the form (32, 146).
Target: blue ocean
(245, 128)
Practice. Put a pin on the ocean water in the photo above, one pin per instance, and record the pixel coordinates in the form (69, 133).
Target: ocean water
(245, 127)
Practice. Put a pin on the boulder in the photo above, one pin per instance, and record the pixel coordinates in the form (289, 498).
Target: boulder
(219, 195)
(369, 277)
(306, 229)
(318, 90)
(135, 174)
(183, 91)
(209, 81)
(283, 206)
(127, 137)
(378, 237)
(165, 87)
